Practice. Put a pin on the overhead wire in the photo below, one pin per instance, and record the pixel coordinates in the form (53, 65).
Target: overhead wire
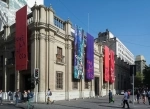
(96, 33)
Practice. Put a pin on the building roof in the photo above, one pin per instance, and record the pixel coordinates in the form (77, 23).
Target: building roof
(139, 58)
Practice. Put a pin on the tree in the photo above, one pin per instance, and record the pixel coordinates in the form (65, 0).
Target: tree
(138, 81)
(146, 73)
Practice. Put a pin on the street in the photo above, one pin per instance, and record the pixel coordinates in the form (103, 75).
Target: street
(93, 103)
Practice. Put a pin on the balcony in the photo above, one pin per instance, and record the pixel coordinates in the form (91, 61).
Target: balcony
(11, 61)
(59, 59)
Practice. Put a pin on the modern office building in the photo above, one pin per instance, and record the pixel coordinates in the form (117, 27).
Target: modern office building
(140, 63)
(123, 58)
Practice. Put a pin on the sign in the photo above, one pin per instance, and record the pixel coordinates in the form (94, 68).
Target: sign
(89, 61)
(106, 64)
(78, 53)
(111, 67)
(21, 51)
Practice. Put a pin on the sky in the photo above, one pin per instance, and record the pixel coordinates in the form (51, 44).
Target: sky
(129, 20)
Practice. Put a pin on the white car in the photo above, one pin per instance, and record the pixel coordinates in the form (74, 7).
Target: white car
(122, 92)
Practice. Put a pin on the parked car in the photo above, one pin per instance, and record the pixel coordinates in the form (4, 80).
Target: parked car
(122, 92)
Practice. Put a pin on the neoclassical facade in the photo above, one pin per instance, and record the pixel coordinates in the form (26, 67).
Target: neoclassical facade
(50, 48)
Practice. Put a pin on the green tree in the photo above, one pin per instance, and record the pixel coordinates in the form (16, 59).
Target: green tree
(146, 73)
(138, 81)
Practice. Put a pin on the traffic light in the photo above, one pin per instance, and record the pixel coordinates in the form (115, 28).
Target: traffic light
(37, 81)
(36, 73)
(32, 85)
(132, 70)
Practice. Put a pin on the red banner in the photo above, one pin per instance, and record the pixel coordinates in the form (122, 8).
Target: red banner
(21, 49)
(106, 64)
(111, 67)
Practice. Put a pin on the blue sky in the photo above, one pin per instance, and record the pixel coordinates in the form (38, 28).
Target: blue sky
(129, 20)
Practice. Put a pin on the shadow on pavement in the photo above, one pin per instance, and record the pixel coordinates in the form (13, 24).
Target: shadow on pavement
(110, 106)
(96, 102)
(72, 106)
(12, 105)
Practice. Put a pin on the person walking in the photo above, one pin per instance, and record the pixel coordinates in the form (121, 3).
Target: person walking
(25, 96)
(17, 97)
(144, 96)
(110, 97)
(138, 96)
(125, 100)
(49, 93)
(1, 96)
(29, 97)
(149, 96)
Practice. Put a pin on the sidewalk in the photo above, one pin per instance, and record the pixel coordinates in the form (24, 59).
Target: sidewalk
(92, 103)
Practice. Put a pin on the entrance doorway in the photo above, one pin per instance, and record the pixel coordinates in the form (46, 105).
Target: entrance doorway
(96, 86)
(26, 82)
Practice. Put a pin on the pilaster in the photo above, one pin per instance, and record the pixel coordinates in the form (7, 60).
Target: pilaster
(50, 15)
(51, 57)
(68, 58)
(42, 14)
(42, 65)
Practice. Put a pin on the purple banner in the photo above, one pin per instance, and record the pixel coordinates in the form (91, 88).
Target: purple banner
(89, 57)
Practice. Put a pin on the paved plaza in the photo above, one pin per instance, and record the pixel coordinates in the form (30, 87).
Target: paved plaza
(93, 103)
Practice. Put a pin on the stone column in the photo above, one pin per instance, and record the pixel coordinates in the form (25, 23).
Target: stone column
(42, 14)
(33, 56)
(6, 34)
(68, 58)
(101, 69)
(50, 16)
(42, 65)
(51, 56)
(17, 80)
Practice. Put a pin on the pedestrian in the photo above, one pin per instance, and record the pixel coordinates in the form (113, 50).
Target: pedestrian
(1, 96)
(25, 96)
(138, 96)
(17, 97)
(110, 97)
(144, 96)
(125, 100)
(29, 97)
(149, 96)
(9, 95)
(49, 93)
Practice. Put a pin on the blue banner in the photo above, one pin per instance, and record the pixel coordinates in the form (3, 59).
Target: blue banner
(89, 57)
(79, 53)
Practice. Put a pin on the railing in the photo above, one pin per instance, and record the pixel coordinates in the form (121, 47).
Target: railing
(59, 22)
(59, 58)
(30, 18)
(11, 61)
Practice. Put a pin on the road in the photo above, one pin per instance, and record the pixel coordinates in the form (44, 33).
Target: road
(93, 103)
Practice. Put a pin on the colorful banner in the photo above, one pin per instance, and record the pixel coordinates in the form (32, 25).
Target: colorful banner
(111, 67)
(78, 53)
(106, 64)
(89, 61)
(21, 52)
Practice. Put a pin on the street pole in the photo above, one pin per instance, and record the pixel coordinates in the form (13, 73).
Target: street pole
(133, 86)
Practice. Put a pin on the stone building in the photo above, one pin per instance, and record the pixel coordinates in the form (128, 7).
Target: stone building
(123, 58)
(49, 49)
(140, 63)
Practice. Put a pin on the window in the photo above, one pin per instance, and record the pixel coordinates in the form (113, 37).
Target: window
(59, 80)
(59, 56)
(13, 54)
(75, 84)
(59, 50)
(86, 84)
